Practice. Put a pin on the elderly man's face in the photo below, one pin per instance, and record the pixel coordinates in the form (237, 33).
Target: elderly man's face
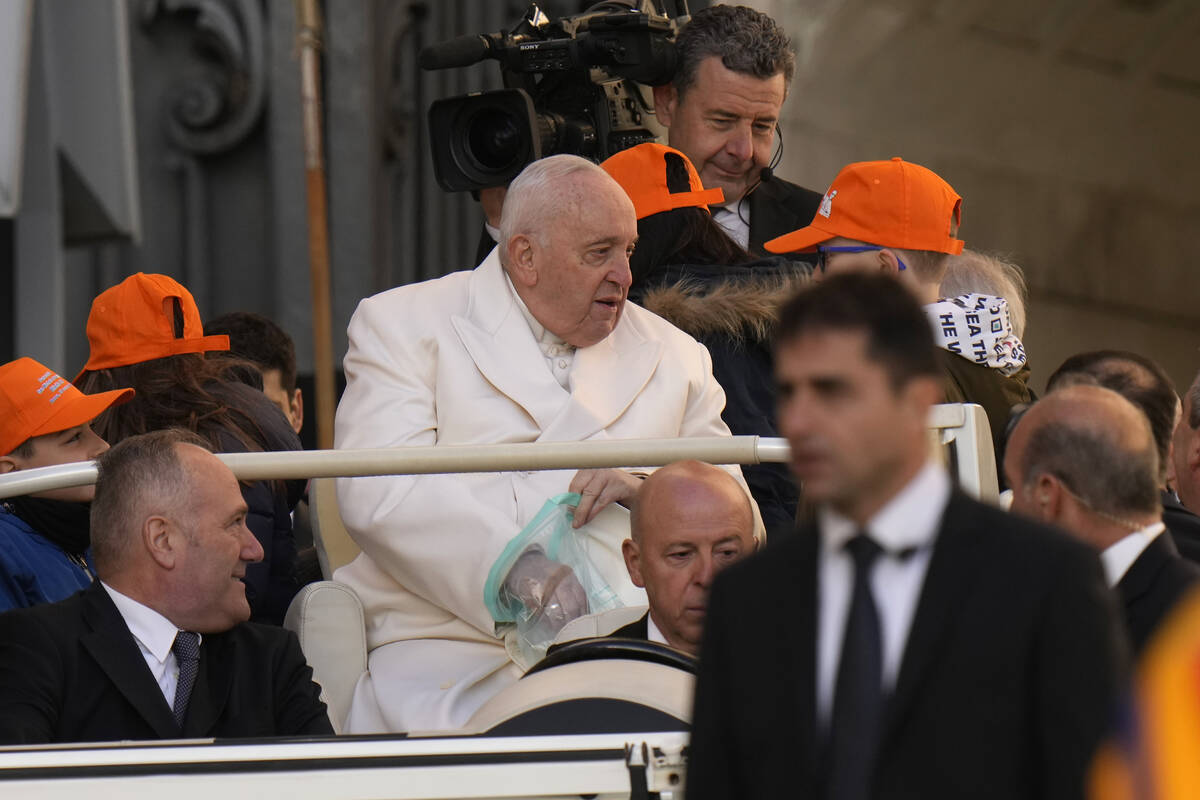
(580, 262)
(724, 123)
(684, 540)
(209, 595)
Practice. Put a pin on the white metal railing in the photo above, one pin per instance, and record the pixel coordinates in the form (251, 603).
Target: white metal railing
(353, 768)
(964, 425)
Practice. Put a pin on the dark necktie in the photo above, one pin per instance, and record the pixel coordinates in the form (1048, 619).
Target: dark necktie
(858, 698)
(187, 653)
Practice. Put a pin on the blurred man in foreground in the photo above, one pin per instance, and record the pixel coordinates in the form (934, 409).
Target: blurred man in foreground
(914, 642)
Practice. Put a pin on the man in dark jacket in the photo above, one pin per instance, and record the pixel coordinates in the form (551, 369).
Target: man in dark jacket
(1143, 382)
(45, 421)
(913, 642)
(1180, 513)
(159, 646)
(1083, 459)
(722, 110)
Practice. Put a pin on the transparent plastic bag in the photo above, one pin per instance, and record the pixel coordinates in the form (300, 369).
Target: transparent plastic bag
(551, 535)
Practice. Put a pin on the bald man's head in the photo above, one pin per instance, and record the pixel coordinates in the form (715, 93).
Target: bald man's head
(1085, 451)
(690, 521)
(1138, 379)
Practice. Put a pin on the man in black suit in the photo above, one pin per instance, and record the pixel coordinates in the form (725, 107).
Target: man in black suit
(1084, 460)
(158, 647)
(691, 521)
(914, 642)
(1179, 513)
(722, 110)
(1143, 382)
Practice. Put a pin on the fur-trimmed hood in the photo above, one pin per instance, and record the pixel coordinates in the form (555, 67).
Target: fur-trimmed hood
(743, 305)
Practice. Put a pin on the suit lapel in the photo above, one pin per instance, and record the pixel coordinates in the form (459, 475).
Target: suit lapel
(947, 581)
(798, 604)
(497, 337)
(768, 214)
(214, 680)
(605, 380)
(117, 653)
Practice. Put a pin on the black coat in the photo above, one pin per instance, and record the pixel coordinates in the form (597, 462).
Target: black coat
(778, 207)
(1012, 664)
(1184, 527)
(271, 583)
(72, 672)
(1151, 588)
(731, 310)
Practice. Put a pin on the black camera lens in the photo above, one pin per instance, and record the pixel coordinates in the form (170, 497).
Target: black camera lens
(494, 139)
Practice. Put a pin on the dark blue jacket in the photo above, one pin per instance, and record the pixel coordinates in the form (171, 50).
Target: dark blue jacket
(33, 570)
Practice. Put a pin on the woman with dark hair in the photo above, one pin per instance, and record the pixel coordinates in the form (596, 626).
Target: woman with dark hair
(146, 333)
(687, 270)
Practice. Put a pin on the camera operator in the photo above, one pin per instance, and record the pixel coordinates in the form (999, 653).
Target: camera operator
(722, 110)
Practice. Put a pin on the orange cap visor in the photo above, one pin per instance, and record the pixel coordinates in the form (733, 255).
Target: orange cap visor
(35, 400)
(885, 203)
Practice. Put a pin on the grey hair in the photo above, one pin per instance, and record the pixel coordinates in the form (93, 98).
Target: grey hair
(746, 41)
(987, 273)
(1091, 461)
(141, 475)
(537, 195)
(1193, 394)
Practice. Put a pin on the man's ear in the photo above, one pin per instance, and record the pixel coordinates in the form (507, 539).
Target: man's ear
(1049, 497)
(888, 262)
(161, 540)
(297, 404)
(1193, 450)
(633, 565)
(8, 464)
(665, 101)
(521, 262)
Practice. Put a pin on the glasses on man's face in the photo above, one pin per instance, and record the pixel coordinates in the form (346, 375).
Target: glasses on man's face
(823, 253)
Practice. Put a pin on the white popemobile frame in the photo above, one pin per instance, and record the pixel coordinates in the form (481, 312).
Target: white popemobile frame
(607, 766)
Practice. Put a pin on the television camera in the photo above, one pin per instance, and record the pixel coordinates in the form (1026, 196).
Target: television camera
(571, 86)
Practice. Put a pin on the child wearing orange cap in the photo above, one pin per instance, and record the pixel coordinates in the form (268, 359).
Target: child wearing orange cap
(902, 218)
(45, 421)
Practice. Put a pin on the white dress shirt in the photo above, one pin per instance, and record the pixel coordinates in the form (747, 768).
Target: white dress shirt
(558, 354)
(733, 223)
(154, 634)
(1119, 556)
(908, 523)
(653, 634)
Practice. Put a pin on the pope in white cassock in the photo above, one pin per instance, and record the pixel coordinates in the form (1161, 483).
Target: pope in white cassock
(536, 344)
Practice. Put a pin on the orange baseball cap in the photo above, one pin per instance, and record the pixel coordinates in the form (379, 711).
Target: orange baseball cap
(134, 322)
(36, 400)
(886, 203)
(658, 178)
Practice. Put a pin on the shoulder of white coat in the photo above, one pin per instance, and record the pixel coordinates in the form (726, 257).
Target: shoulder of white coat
(414, 303)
